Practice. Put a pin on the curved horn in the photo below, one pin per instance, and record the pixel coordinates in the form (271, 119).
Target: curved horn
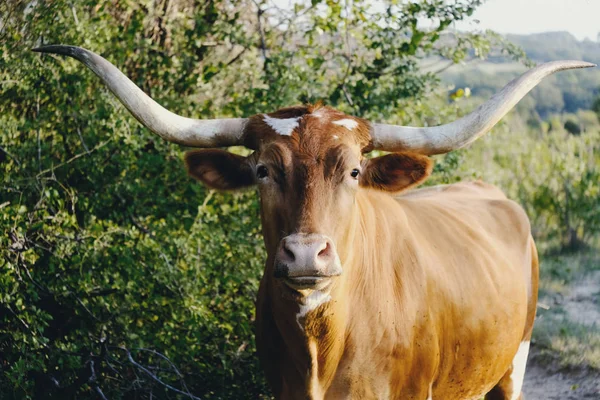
(445, 138)
(167, 125)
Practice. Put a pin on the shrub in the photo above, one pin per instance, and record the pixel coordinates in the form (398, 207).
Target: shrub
(113, 281)
(572, 127)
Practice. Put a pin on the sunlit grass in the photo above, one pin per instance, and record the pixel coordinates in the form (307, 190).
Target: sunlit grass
(571, 343)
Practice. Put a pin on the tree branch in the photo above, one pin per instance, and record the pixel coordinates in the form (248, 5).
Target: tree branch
(154, 377)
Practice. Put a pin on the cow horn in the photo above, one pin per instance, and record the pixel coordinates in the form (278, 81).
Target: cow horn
(167, 125)
(445, 138)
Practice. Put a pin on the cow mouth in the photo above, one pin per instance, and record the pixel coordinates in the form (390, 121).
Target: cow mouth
(308, 282)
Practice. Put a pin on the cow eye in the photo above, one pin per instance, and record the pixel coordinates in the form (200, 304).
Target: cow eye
(355, 172)
(262, 172)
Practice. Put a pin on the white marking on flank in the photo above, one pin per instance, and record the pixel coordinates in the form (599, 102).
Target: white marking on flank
(518, 372)
(347, 123)
(311, 302)
(283, 126)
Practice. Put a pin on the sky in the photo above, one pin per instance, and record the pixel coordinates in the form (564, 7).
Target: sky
(579, 17)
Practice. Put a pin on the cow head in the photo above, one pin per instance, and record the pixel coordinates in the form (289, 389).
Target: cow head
(308, 162)
(308, 165)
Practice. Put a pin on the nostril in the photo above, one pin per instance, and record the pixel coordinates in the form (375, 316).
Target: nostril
(325, 251)
(289, 253)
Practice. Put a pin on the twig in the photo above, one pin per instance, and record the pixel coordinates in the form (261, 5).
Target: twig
(10, 155)
(82, 141)
(173, 367)
(141, 227)
(263, 42)
(75, 17)
(543, 306)
(101, 292)
(93, 381)
(39, 146)
(347, 95)
(234, 59)
(100, 392)
(154, 377)
(75, 157)
(85, 307)
(444, 68)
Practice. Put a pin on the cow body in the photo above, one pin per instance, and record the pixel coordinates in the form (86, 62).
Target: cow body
(437, 297)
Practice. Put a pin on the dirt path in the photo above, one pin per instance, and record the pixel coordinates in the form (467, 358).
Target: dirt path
(545, 379)
(583, 302)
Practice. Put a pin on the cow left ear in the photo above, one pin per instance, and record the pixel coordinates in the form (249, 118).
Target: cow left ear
(396, 172)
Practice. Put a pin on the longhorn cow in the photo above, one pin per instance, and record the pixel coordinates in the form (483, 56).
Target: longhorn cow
(370, 290)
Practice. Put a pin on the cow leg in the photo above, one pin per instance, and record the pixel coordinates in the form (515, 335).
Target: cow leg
(504, 389)
(509, 387)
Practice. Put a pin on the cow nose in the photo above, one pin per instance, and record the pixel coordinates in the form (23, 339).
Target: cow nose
(306, 256)
(315, 253)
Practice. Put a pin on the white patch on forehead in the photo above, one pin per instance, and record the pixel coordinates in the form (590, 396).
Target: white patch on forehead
(318, 114)
(518, 372)
(347, 123)
(311, 302)
(283, 126)
(336, 137)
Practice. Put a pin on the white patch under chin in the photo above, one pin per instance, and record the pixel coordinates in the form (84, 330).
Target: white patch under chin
(347, 123)
(311, 302)
(518, 372)
(283, 126)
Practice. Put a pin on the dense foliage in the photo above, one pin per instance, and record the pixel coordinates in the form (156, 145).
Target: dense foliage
(119, 276)
(552, 173)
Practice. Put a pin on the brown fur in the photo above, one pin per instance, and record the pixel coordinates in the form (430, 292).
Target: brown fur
(439, 285)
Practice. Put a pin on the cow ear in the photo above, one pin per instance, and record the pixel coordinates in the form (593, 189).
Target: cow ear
(396, 172)
(219, 169)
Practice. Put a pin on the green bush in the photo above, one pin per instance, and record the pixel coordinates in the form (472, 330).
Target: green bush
(572, 127)
(120, 276)
(554, 176)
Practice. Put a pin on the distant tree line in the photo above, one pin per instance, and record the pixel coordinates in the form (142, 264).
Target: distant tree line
(563, 93)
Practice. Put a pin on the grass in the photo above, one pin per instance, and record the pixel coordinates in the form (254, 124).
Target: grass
(559, 271)
(572, 343)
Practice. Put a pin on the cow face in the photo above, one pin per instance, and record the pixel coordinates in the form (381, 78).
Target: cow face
(308, 167)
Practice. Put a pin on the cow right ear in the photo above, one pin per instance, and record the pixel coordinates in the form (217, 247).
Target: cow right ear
(219, 169)
(396, 172)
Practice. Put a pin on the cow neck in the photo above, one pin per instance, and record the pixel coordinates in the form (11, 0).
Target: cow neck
(315, 330)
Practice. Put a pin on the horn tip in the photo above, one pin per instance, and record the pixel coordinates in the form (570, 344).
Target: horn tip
(58, 49)
(574, 64)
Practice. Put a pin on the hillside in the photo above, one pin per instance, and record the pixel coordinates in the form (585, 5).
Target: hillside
(549, 46)
(565, 92)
